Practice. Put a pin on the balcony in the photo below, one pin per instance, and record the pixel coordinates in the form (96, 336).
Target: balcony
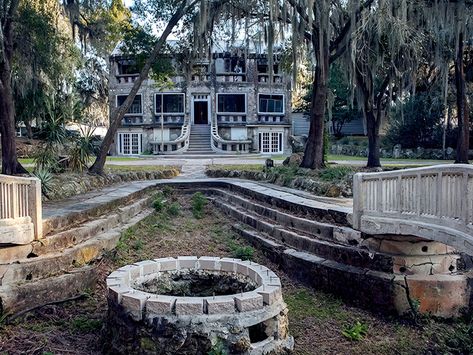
(132, 120)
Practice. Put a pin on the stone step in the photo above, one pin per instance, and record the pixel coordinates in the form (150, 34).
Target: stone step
(68, 238)
(266, 220)
(54, 264)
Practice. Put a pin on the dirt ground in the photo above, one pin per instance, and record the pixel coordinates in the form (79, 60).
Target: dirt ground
(320, 323)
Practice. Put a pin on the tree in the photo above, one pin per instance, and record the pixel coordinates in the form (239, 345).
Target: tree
(184, 6)
(8, 18)
(325, 26)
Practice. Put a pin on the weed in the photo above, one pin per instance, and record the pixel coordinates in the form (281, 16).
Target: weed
(198, 203)
(86, 325)
(303, 304)
(158, 204)
(168, 191)
(217, 349)
(243, 252)
(355, 332)
(173, 209)
(138, 245)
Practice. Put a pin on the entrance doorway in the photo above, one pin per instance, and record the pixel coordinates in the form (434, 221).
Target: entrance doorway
(201, 112)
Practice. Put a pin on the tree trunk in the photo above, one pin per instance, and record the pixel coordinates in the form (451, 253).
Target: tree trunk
(10, 164)
(372, 126)
(462, 107)
(119, 113)
(29, 129)
(314, 149)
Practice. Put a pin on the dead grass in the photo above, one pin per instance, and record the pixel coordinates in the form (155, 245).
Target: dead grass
(317, 319)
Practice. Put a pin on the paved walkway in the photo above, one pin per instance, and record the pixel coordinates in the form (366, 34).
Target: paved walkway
(90, 200)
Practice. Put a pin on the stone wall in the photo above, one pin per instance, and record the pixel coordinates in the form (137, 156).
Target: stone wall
(67, 185)
(397, 152)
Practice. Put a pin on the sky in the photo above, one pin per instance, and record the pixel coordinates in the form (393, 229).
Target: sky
(128, 3)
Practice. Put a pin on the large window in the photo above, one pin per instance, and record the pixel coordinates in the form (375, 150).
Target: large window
(231, 103)
(130, 143)
(169, 103)
(271, 103)
(136, 107)
(127, 67)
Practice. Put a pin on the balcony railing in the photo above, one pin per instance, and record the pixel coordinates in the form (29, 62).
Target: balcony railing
(180, 144)
(272, 119)
(264, 78)
(227, 146)
(231, 119)
(170, 119)
(132, 120)
(231, 77)
(126, 78)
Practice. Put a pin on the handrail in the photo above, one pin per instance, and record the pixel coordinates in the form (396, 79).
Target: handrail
(20, 210)
(183, 138)
(218, 142)
(430, 202)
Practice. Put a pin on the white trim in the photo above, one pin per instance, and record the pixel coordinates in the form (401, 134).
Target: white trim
(169, 113)
(273, 113)
(130, 114)
(232, 113)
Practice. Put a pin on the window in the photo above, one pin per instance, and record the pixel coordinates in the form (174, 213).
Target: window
(127, 67)
(231, 103)
(271, 104)
(130, 143)
(169, 103)
(135, 108)
(270, 142)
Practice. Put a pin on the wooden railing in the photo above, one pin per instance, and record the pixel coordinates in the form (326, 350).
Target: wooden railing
(433, 202)
(20, 210)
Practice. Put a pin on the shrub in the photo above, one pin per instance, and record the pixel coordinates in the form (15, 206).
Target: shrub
(335, 173)
(243, 252)
(173, 209)
(158, 203)
(198, 203)
(46, 178)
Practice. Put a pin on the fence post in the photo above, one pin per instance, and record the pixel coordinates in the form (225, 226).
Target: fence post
(357, 200)
(35, 207)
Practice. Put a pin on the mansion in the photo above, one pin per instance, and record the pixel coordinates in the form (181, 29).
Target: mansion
(227, 104)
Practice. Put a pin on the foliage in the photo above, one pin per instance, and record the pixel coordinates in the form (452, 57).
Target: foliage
(418, 123)
(356, 331)
(217, 348)
(199, 201)
(335, 173)
(173, 209)
(81, 150)
(46, 178)
(158, 203)
(243, 252)
(86, 325)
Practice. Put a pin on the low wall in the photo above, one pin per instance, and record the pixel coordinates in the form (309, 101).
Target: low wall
(397, 152)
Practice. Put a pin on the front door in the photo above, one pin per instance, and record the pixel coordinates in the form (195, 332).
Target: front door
(201, 112)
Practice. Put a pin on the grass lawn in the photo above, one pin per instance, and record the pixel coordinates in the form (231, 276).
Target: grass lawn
(332, 157)
(126, 168)
(317, 320)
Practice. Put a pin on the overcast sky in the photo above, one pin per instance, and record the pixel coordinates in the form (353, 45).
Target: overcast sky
(128, 3)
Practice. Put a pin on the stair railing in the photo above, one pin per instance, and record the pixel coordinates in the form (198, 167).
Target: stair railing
(227, 146)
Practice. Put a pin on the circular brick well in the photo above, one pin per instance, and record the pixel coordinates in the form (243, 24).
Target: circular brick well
(192, 305)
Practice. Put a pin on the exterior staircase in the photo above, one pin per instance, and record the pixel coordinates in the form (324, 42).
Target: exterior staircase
(199, 140)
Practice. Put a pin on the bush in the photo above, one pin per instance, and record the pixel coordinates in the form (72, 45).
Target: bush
(355, 332)
(158, 203)
(335, 173)
(243, 253)
(199, 201)
(46, 178)
(173, 209)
